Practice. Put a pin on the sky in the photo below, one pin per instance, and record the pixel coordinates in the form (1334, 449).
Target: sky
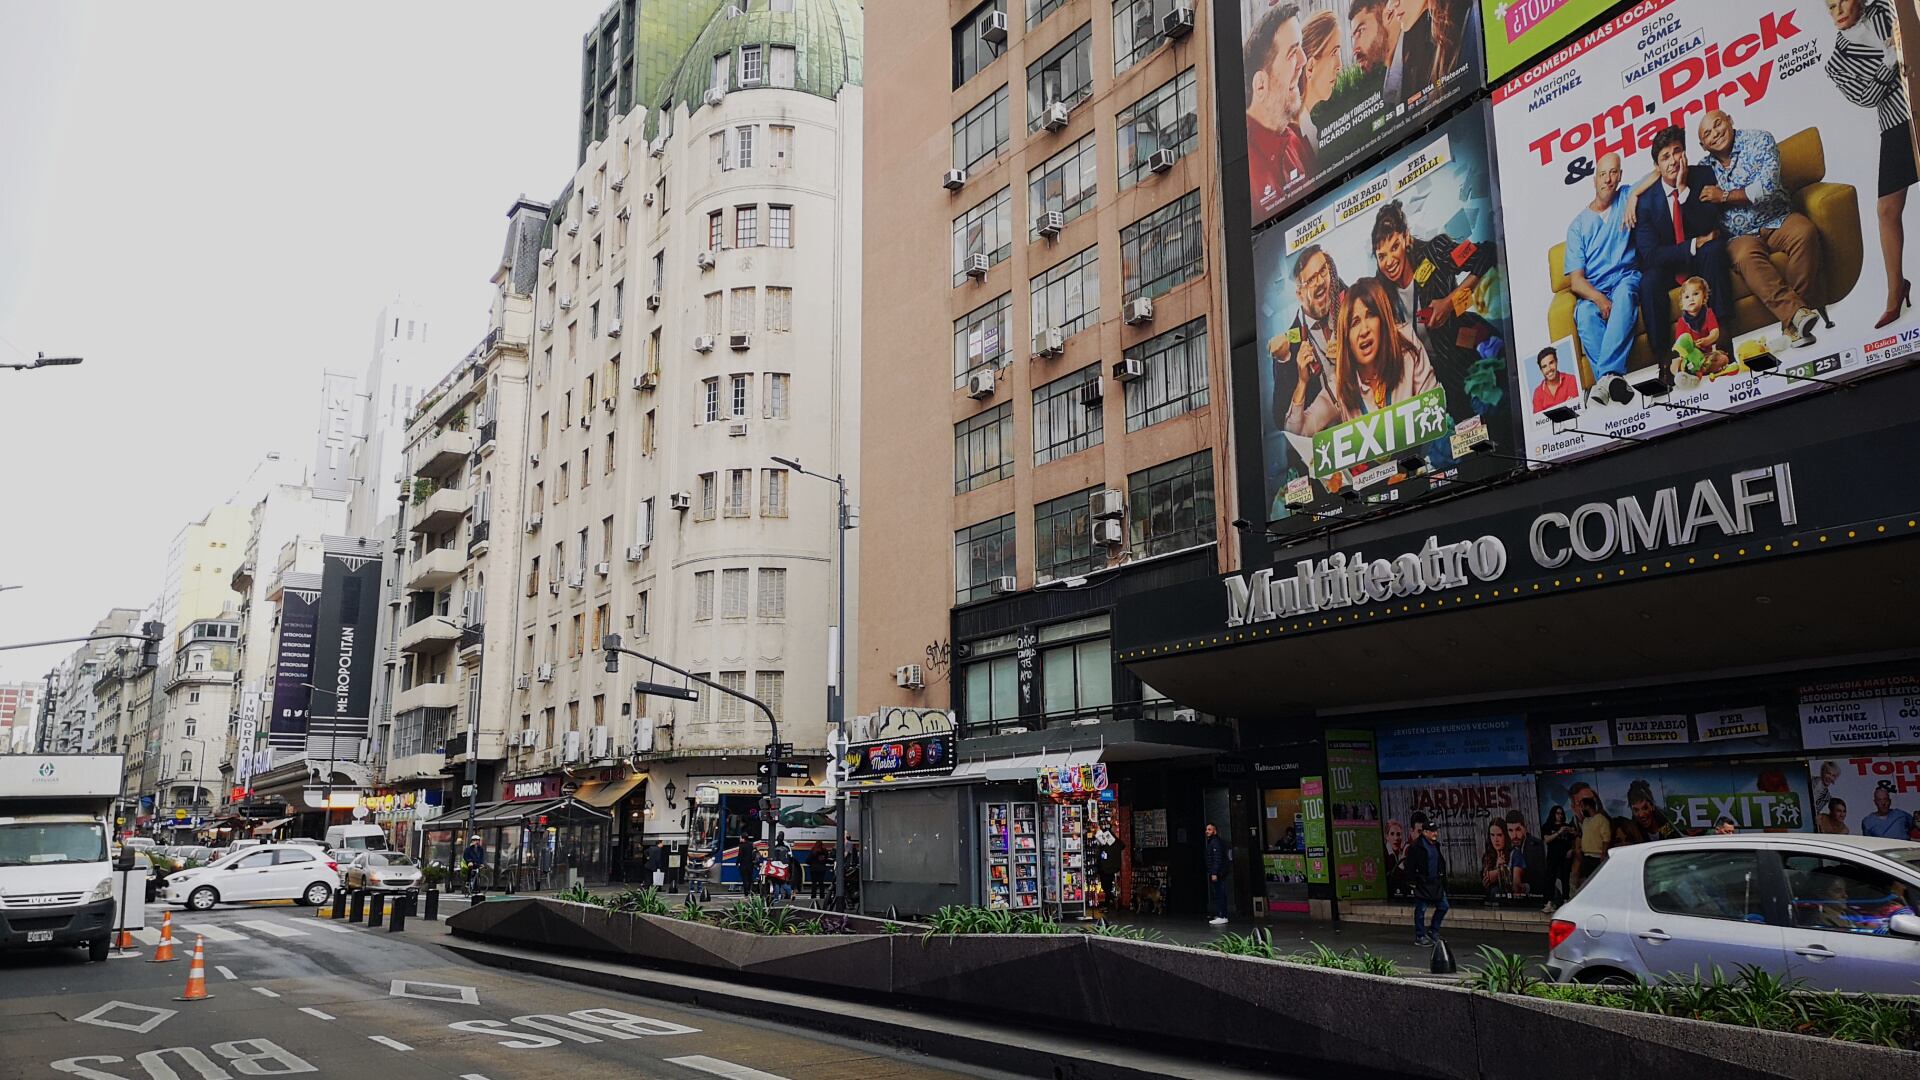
(210, 202)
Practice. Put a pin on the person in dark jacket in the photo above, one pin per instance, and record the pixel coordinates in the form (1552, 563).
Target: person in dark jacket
(1219, 868)
(745, 860)
(817, 872)
(1427, 865)
(472, 860)
(657, 864)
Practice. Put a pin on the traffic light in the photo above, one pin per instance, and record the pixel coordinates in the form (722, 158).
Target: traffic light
(150, 647)
(610, 645)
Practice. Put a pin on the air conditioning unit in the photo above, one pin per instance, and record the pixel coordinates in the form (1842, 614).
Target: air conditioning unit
(636, 552)
(705, 260)
(714, 95)
(546, 256)
(647, 199)
(607, 402)
(954, 180)
(737, 429)
(566, 302)
(577, 580)
(1128, 370)
(703, 343)
(1050, 223)
(1140, 311)
(657, 147)
(544, 673)
(1161, 160)
(613, 328)
(1055, 117)
(653, 301)
(626, 212)
(533, 459)
(530, 738)
(646, 380)
(1092, 393)
(521, 682)
(599, 743)
(993, 29)
(1177, 23)
(1109, 532)
(573, 227)
(533, 522)
(680, 500)
(586, 420)
(980, 384)
(546, 326)
(553, 587)
(740, 341)
(1107, 503)
(1049, 342)
(570, 747)
(603, 568)
(618, 182)
(977, 265)
(910, 677)
(593, 206)
(1002, 586)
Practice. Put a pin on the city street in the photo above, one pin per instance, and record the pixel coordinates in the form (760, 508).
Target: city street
(289, 993)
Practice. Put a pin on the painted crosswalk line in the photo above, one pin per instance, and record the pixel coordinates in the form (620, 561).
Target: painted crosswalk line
(716, 1067)
(272, 929)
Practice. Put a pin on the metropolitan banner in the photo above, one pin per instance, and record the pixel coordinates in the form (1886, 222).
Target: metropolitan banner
(1775, 232)
(1384, 315)
(1325, 87)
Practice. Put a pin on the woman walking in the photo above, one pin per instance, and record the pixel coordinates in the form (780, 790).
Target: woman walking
(1865, 65)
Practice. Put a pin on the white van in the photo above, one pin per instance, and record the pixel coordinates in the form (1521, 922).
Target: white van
(356, 838)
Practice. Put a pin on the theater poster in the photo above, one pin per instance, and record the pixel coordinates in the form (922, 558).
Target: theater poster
(1481, 820)
(1715, 215)
(1382, 313)
(1519, 30)
(1328, 82)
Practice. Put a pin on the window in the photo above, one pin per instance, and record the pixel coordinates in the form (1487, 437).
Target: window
(709, 495)
(739, 492)
(586, 469)
(771, 688)
(648, 425)
(982, 338)
(1063, 538)
(646, 520)
(1170, 506)
(1175, 381)
(1066, 182)
(1063, 423)
(703, 596)
(780, 138)
(1167, 119)
(1163, 249)
(716, 230)
(606, 539)
(191, 725)
(779, 308)
(982, 133)
(711, 402)
(753, 66)
(983, 449)
(987, 229)
(971, 52)
(659, 271)
(643, 613)
(703, 708)
(577, 638)
(982, 554)
(1706, 885)
(722, 72)
(743, 314)
(773, 493)
(773, 593)
(743, 147)
(717, 146)
(732, 709)
(1844, 897)
(784, 65)
(607, 456)
(1137, 30)
(193, 696)
(733, 594)
(1064, 75)
(741, 393)
(1067, 297)
(1077, 680)
(780, 226)
(599, 625)
(715, 318)
(660, 195)
(746, 226)
(1038, 10)
(560, 490)
(991, 685)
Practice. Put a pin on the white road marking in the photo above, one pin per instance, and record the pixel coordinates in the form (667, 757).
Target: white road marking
(336, 928)
(210, 932)
(149, 936)
(384, 1041)
(716, 1067)
(99, 1017)
(315, 1013)
(273, 929)
(264, 992)
(225, 973)
(426, 991)
(471, 1076)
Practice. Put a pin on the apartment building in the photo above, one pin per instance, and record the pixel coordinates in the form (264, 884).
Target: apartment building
(19, 714)
(1071, 350)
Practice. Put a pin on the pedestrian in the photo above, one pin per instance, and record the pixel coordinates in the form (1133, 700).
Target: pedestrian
(817, 872)
(744, 859)
(1219, 869)
(780, 867)
(657, 864)
(473, 859)
(1427, 865)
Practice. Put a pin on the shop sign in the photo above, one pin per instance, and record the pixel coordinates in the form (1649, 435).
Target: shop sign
(1069, 780)
(1441, 745)
(1870, 796)
(1580, 735)
(544, 787)
(1727, 724)
(1868, 712)
(888, 759)
(1651, 730)
(1313, 823)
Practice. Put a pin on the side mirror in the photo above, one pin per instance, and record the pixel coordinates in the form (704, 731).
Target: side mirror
(123, 862)
(1905, 925)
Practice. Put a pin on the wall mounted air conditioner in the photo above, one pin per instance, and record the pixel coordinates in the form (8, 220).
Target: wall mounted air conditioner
(1049, 342)
(657, 147)
(566, 302)
(636, 552)
(1139, 311)
(1128, 370)
(533, 522)
(1055, 117)
(740, 341)
(546, 256)
(573, 227)
(570, 747)
(980, 384)
(1161, 160)
(613, 328)
(577, 580)
(546, 326)
(593, 206)
(533, 459)
(977, 265)
(653, 301)
(544, 672)
(1107, 503)
(1177, 23)
(521, 682)
(680, 500)
(703, 343)
(737, 429)
(1002, 586)
(1109, 532)
(603, 568)
(993, 28)
(618, 182)
(1092, 393)
(704, 260)
(715, 95)
(553, 586)
(1049, 223)
(910, 677)
(954, 180)
(646, 380)
(530, 738)
(647, 199)
(599, 743)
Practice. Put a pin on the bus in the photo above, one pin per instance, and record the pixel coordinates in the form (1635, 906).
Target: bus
(726, 810)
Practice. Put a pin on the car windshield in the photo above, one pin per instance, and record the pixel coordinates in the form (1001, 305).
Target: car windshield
(1908, 857)
(387, 859)
(45, 843)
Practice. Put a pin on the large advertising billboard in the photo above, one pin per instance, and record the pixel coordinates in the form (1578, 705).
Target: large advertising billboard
(1329, 80)
(293, 669)
(1715, 209)
(1653, 802)
(346, 653)
(1489, 831)
(1867, 796)
(1519, 30)
(1383, 311)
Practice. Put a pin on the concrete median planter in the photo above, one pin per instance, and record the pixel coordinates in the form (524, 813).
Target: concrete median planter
(1210, 1006)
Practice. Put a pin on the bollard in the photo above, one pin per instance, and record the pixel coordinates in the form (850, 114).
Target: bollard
(339, 903)
(433, 904)
(399, 920)
(357, 907)
(409, 900)
(376, 910)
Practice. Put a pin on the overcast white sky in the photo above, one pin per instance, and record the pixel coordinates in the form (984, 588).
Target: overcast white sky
(210, 202)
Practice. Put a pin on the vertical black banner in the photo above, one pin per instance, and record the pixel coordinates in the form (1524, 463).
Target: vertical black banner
(299, 619)
(346, 651)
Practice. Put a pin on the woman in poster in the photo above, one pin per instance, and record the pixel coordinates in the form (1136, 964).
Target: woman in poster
(1865, 65)
(1320, 39)
(1376, 362)
(1496, 865)
(1560, 836)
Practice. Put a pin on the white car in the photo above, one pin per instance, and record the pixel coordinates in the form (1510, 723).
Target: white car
(384, 870)
(270, 872)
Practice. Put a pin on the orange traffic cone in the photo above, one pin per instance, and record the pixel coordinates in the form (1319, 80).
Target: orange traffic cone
(163, 952)
(197, 974)
(123, 941)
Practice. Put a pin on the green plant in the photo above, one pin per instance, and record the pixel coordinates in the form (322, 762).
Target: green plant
(1259, 943)
(423, 489)
(1127, 933)
(577, 894)
(1501, 973)
(690, 910)
(458, 421)
(890, 928)
(433, 873)
(641, 901)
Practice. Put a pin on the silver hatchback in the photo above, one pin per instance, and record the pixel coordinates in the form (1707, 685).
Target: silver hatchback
(1835, 911)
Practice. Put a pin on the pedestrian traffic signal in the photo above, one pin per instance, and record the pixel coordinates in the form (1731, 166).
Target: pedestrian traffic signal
(611, 646)
(150, 647)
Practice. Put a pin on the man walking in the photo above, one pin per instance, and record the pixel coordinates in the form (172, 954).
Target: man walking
(1601, 271)
(1427, 866)
(1218, 870)
(1759, 219)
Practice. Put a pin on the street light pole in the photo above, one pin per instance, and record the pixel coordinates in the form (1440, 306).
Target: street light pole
(43, 360)
(326, 791)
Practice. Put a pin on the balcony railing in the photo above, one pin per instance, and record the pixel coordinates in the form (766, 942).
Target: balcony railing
(477, 536)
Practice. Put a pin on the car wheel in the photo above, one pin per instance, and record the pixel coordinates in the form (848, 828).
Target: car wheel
(203, 898)
(317, 894)
(97, 950)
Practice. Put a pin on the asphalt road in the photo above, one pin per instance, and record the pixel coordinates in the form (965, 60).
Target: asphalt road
(293, 994)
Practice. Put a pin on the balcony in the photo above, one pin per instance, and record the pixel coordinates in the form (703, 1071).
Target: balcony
(441, 510)
(442, 454)
(477, 538)
(426, 696)
(436, 570)
(435, 633)
(489, 430)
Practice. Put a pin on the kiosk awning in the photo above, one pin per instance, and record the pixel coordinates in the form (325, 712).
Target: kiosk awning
(1023, 767)
(605, 793)
(262, 830)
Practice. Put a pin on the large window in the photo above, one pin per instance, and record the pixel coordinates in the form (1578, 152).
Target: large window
(971, 52)
(982, 132)
(1038, 10)
(982, 554)
(1163, 249)
(784, 65)
(991, 685)
(1170, 506)
(983, 449)
(752, 65)
(982, 338)
(1067, 182)
(1067, 297)
(780, 226)
(773, 592)
(1063, 422)
(733, 593)
(746, 226)
(1175, 380)
(1167, 119)
(1064, 75)
(1063, 537)
(1076, 669)
(702, 596)
(1137, 30)
(987, 229)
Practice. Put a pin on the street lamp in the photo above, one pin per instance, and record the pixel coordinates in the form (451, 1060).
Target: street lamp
(326, 795)
(837, 693)
(43, 360)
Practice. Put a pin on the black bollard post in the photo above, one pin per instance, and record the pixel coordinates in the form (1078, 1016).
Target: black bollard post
(433, 904)
(339, 903)
(357, 906)
(399, 920)
(376, 910)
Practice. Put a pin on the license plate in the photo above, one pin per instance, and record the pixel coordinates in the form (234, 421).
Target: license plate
(39, 935)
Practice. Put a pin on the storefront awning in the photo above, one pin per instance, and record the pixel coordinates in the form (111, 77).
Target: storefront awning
(263, 830)
(1024, 767)
(494, 815)
(605, 793)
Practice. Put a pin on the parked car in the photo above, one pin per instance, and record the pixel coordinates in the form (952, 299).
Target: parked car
(387, 870)
(268, 872)
(306, 842)
(1838, 912)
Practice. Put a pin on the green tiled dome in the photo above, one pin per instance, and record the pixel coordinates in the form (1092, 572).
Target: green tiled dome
(824, 33)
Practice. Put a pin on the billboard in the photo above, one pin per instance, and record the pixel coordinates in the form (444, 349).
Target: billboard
(1770, 251)
(1327, 81)
(1383, 311)
(1353, 805)
(1650, 802)
(1519, 30)
(346, 652)
(1867, 796)
(1860, 712)
(293, 668)
(1483, 822)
